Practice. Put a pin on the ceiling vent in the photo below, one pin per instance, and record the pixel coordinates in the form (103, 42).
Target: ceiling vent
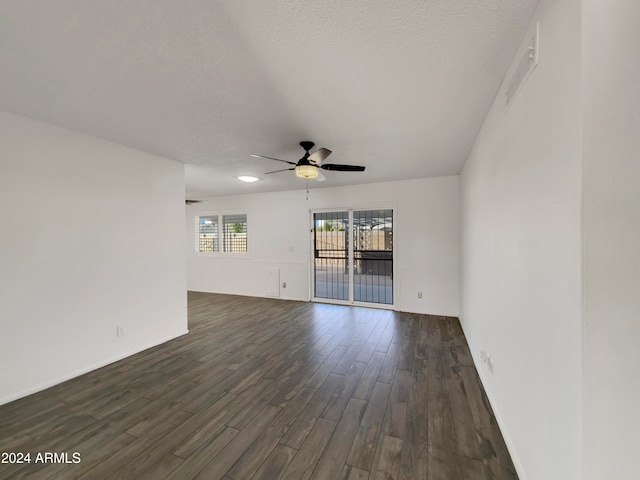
(526, 65)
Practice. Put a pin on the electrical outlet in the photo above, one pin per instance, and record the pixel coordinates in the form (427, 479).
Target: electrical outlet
(120, 331)
(486, 359)
(419, 294)
(284, 284)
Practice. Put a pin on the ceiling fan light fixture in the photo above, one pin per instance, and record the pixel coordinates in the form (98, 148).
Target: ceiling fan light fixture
(248, 178)
(307, 171)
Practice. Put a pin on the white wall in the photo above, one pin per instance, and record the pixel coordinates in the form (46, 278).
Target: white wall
(92, 237)
(425, 241)
(611, 70)
(521, 255)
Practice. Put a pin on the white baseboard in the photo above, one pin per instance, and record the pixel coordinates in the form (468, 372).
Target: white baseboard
(496, 411)
(87, 369)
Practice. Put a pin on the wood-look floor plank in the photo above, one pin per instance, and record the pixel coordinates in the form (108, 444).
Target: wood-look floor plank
(201, 457)
(265, 389)
(165, 465)
(364, 355)
(386, 464)
(492, 449)
(253, 400)
(335, 407)
(364, 445)
(275, 464)
(352, 473)
(210, 422)
(221, 463)
(92, 452)
(472, 468)
(390, 364)
(335, 454)
(321, 374)
(128, 456)
(466, 435)
(408, 354)
(395, 416)
(251, 459)
(298, 380)
(306, 458)
(386, 338)
(312, 411)
(413, 458)
(369, 376)
(205, 394)
(441, 457)
(343, 366)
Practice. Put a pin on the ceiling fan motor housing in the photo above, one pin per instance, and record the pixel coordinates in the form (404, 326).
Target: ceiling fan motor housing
(307, 145)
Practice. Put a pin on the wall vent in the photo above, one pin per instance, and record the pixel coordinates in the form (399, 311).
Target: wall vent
(526, 65)
(272, 282)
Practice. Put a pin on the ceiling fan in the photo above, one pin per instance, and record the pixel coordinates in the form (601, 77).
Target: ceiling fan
(310, 164)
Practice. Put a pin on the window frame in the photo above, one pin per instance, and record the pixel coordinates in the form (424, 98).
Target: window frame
(227, 236)
(198, 233)
(221, 234)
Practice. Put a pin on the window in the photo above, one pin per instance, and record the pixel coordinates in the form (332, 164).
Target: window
(231, 230)
(234, 233)
(208, 234)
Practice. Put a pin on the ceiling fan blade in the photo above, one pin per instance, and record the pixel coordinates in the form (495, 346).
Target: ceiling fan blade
(321, 177)
(283, 170)
(342, 168)
(271, 158)
(319, 155)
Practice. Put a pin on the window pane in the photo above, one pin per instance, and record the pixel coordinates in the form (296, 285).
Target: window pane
(208, 234)
(373, 256)
(331, 252)
(234, 233)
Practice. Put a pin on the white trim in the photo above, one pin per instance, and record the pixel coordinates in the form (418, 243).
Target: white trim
(196, 243)
(346, 303)
(90, 368)
(330, 301)
(350, 257)
(382, 306)
(479, 366)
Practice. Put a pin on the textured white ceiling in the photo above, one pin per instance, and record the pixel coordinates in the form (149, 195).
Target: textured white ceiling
(401, 87)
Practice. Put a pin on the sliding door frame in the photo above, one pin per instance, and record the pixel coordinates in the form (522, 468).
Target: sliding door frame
(312, 259)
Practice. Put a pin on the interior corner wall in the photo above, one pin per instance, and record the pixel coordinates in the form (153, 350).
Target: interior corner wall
(611, 76)
(92, 238)
(521, 253)
(426, 241)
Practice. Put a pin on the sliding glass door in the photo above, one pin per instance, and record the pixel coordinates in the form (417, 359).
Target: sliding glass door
(373, 256)
(331, 255)
(353, 256)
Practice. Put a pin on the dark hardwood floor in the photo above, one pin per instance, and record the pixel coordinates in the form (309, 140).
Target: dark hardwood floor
(272, 389)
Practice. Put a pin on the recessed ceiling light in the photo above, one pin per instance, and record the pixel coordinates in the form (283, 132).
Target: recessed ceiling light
(248, 179)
